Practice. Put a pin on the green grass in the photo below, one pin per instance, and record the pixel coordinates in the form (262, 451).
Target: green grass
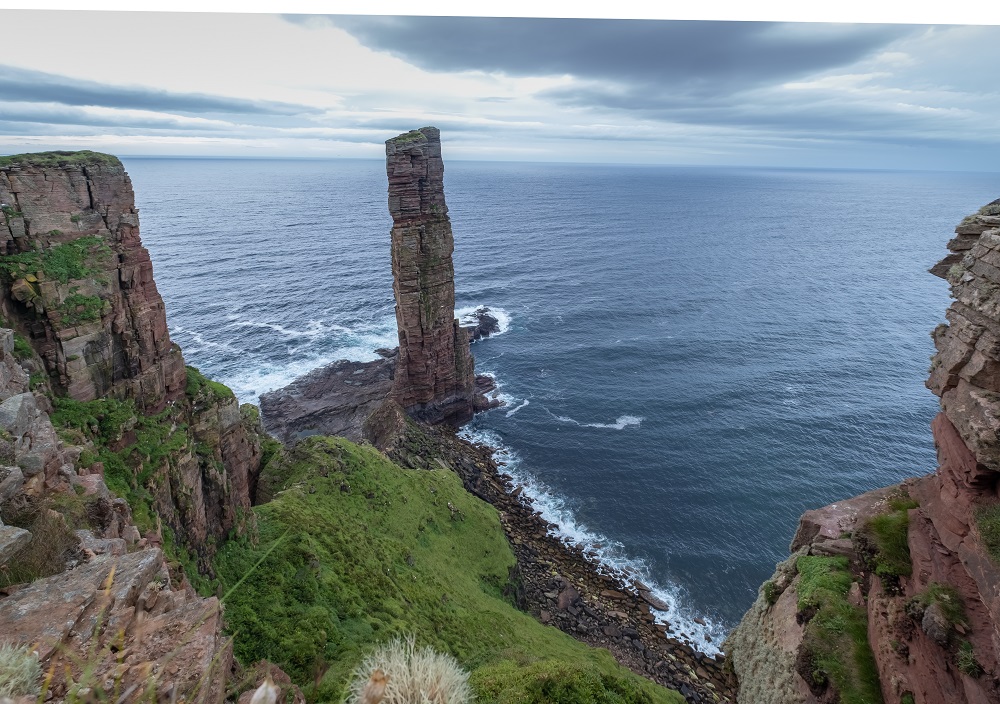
(837, 634)
(966, 660)
(12, 212)
(59, 158)
(22, 348)
(64, 262)
(948, 600)
(988, 523)
(78, 308)
(990, 209)
(354, 550)
(553, 681)
(198, 383)
(887, 533)
(411, 136)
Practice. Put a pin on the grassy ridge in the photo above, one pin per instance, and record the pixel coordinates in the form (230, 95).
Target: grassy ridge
(355, 550)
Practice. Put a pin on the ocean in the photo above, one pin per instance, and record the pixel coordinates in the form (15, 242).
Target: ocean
(690, 357)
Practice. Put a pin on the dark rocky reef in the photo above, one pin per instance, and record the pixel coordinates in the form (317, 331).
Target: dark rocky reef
(922, 559)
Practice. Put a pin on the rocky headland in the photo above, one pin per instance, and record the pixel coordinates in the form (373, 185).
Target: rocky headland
(894, 595)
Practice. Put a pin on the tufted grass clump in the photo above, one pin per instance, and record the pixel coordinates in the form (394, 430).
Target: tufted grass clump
(965, 658)
(988, 523)
(20, 671)
(399, 673)
(990, 209)
(946, 597)
(887, 535)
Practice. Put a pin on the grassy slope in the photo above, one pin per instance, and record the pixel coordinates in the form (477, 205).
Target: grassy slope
(367, 550)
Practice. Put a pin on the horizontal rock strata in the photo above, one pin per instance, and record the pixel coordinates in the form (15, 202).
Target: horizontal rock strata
(434, 378)
(77, 284)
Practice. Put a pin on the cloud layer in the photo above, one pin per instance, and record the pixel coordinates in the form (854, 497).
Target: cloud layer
(880, 96)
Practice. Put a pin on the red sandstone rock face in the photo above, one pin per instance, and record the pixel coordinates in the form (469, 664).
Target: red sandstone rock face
(434, 379)
(120, 347)
(100, 329)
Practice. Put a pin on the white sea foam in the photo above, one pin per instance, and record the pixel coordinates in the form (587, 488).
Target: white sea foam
(517, 408)
(609, 555)
(354, 344)
(620, 423)
(199, 341)
(467, 316)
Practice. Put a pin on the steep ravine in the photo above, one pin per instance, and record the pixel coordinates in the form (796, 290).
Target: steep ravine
(894, 595)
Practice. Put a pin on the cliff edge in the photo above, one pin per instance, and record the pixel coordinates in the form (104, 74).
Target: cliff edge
(894, 596)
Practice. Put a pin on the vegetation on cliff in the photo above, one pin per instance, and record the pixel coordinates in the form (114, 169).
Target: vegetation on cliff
(84, 157)
(353, 551)
(836, 634)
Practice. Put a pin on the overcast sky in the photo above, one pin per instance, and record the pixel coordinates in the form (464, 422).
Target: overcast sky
(636, 91)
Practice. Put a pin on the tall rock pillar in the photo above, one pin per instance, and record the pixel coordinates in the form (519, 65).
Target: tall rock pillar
(434, 378)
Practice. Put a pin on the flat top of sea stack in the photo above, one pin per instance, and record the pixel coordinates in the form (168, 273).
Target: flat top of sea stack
(61, 158)
(422, 135)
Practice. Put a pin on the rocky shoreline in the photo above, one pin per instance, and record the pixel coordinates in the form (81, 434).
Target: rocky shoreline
(557, 582)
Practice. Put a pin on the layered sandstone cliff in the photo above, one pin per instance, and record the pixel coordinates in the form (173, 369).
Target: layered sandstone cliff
(77, 284)
(914, 569)
(80, 282)
(434, 378)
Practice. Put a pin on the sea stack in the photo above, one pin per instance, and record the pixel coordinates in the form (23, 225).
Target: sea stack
(434, 377)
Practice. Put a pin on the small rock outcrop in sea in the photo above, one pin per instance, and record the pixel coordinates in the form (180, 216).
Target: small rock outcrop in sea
(896, 593)
(434, 380)
(431, 374)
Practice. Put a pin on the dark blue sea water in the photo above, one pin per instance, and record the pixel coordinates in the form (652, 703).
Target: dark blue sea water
(691, 357)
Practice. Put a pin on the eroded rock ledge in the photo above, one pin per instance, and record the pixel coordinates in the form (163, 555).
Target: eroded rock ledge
(914, 567)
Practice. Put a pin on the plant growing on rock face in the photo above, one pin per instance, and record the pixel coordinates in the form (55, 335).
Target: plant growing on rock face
(19, 671)
(399, 673)
(966, 660)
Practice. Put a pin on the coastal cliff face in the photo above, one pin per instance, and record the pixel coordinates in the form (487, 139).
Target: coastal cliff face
(77, 285)
(79, 584)
(81, 283)
(434, 379)
(894, 595)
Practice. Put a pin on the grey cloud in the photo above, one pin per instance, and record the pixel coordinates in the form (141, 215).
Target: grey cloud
(22, 85)
(33, 113)
(695, 57)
